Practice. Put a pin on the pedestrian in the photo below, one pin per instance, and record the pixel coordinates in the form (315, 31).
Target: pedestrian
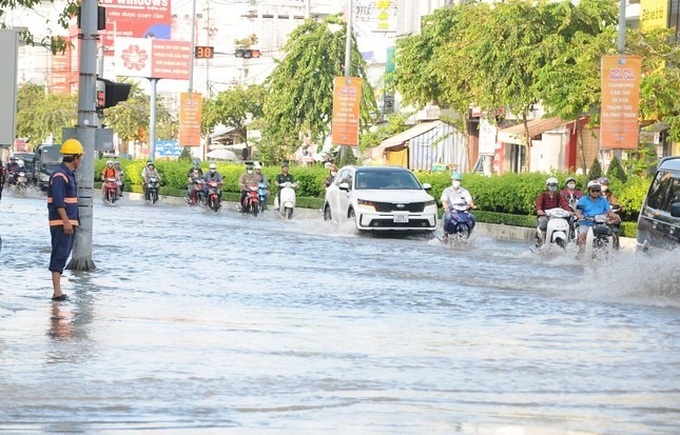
(62, 208)
(2, 178)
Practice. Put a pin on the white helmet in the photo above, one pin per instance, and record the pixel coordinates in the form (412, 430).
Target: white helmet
(594, 184)
(212, 166)
(551, 180)
(257, 165)
(109, 162)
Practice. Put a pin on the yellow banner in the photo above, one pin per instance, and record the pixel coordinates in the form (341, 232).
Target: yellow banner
(653, 14)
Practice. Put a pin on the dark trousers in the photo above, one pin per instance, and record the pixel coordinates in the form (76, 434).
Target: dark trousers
(62, 244)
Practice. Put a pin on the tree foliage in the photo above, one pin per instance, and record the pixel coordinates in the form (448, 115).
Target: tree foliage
(55, 43)
(299, 93)
(233, 107)
(616, 170)
(41, 114)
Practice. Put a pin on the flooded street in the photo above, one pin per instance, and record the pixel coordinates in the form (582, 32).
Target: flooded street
(195, 322)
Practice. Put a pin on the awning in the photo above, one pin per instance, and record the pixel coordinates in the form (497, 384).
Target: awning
(515, 134)
(399, 139)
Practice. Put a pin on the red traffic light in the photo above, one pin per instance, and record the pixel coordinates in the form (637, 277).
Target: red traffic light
(247, 53)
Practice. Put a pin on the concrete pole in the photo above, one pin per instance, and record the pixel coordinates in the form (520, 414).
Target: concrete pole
(193, 46)
(348, 59)
(622, 26)
(152, 119)
(81, 258)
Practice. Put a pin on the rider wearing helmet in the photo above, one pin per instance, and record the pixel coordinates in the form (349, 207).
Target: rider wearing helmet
(62, 209)
(589, 206)
(546, 200)
(332, 170)
(615, 223)
(248, 179)
(108, 172)
(148, 172)
(195, 166)
(570, 192)
(453, 195)
(119, 177)
(284, 177)
(211, 175)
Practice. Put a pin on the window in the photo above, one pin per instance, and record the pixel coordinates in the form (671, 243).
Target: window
(658, 191)
(674, 194)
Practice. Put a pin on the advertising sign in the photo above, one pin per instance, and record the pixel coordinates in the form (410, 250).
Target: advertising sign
(135, 19)
(346, 104)
(653, 14)
(168, 148)
(190, 119)
(381, 15)
(153, 58)
(619, 125)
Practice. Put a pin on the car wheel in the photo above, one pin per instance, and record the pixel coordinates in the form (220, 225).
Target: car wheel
(350, 213)
(327, 213)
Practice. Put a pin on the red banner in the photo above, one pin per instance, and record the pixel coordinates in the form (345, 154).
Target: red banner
(136, 19)
(619, 125)
(346, 105)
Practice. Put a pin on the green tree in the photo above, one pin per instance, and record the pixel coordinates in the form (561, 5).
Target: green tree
(595, 169)
(299, 92)
(56, 44)
(396, 123)
(616, 170)
(41, 114)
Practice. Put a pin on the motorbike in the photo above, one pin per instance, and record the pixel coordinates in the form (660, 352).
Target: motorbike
(600, 237)
(262, 195)
(458, 229)
(20, 182)
(287, 195)
(213, 201)
(251, 203)
(111, 190)
(152, 189)
(196, 193)
(558, 231)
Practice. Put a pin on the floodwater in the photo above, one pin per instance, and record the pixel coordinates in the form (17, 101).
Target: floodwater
(195, 322)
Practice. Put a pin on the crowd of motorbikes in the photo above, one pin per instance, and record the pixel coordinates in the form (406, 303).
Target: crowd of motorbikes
(257, 196)
(15, 177)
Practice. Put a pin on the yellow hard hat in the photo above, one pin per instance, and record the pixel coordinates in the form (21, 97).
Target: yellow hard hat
(71, 147)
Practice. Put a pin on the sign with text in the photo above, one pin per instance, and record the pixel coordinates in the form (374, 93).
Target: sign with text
(381, 15)
(346, 104)
(153, 58)
(619, 125)
(653, 14)
(150, 19)
(190, 119)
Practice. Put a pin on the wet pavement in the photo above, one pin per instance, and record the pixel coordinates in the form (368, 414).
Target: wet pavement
(195, 322)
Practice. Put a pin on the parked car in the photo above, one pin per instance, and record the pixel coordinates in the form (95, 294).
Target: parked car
(47, 158)
(658, 226)
(380, 198)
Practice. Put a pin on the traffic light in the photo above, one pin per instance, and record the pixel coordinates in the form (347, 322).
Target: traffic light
(247, 53)
(114, 93)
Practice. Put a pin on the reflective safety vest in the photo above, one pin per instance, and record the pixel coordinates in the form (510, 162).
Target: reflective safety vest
(62, 192)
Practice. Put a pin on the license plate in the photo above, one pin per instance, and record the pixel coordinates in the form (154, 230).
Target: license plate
(400, 218)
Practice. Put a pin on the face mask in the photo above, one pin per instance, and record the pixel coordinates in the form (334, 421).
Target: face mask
(333, 173)
(249, 171)
(571, 186)
(604, 188)
(552, 188)
(455, 184)
(212, 171)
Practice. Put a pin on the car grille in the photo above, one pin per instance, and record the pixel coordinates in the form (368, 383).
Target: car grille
(389, 223)
(387, 207)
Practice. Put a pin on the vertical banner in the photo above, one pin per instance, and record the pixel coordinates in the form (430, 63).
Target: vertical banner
(653, 14)
(346, 104)
(619, 125)
(190, 119)
(9, 47)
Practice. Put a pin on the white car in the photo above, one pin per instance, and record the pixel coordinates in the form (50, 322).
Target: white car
(380, 198)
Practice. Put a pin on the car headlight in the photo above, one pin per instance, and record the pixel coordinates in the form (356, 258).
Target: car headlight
(430, 203)
(366, 203)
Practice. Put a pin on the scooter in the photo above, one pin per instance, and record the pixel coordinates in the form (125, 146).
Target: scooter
(262, 195)
(196, 194)
(558, 231)
(600, 237)
(251, 203)
(213, 201)
(152, 189)
(110, 190)
(459, 228)
(20, 183)
(287, 195)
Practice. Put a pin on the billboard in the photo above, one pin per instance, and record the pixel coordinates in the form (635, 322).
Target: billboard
(653, 14)
(153, 58)
(135, 19)
(190, 119)
(619, 125)
(346, 105)
(381, 15)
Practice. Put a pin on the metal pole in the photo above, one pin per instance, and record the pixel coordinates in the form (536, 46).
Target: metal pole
(348, 40)
(622, 26)
(85, 133)
(193, 46)
(152, 120)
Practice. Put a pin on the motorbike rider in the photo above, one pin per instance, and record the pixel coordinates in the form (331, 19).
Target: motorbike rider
(615, 223)
(108, 172)
(195, 177)
(550, 198)
(119, 177)
(3, 174)
(263, 179)
(212, 175)
(333, 170)
(195, 167)
(148, 172)
(590, 205)
(455, 194)
(284, 177)
(12, 170)
(247, 179)
(571, 193)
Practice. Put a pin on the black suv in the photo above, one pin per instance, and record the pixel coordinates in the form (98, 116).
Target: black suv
(47, 158)
(659, 222)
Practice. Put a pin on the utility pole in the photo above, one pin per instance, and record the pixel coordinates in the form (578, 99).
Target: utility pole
(81, 258)
(348, 59)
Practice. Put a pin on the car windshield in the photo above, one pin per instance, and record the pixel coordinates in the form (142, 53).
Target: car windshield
(386, 180)
(51, 154)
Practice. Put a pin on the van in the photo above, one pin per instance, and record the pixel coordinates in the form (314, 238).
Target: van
(658, 226)
(47, 158)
